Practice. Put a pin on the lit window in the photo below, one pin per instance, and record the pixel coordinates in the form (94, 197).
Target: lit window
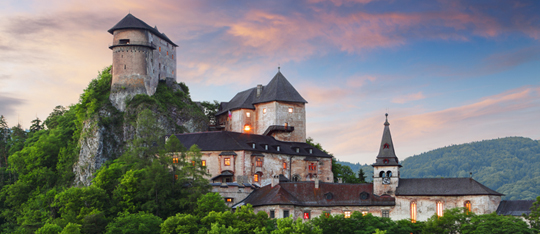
(386, 214)
(306, 214)
(347, 214)
(326, 214)
(175, 177)
(228, 200)
(284, 165)
(468, 206)
(175, 159)
(203, 163)
(248, 114)
(167, 52)
(264, 110)
(413, 212)
(365, 212)
(312, 167)
(290, 109)
(247, 128)
(193, 163)
(259, 162)
(256, 177)
(439, 208)
(160, 49)
(227, 161)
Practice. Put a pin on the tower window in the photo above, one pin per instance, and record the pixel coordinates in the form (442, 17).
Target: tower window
(413, 212)
(439, 208)
(386, 146)
(124, 41)
(312, 167)
(389, 173)
(247, 128)
(382, 174)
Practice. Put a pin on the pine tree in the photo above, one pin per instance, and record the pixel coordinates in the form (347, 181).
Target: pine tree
(361, 176)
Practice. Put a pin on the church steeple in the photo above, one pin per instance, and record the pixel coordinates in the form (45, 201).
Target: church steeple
(387, 155)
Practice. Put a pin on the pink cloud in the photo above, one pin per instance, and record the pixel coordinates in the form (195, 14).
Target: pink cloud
(408, 98)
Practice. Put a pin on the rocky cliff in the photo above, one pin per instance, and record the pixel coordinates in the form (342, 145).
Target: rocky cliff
(107, 132)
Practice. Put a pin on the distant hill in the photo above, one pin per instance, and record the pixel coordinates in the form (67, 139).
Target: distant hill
(508, 165)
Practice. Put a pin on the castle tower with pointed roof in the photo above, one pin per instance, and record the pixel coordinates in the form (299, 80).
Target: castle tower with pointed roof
(142, 56)
(386, 166)
(276, 110)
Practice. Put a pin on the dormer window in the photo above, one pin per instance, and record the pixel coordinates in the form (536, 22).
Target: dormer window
(253, 145)
(297, 150)
(386, 146)
(310, 151)
(277, 148)
(265, 147)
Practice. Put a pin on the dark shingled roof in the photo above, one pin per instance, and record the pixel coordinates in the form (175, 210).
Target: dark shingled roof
(231, 141)
(279, 89)
(132, 22)
(305, 194)
(442, 187)
(515, 207)
(387, 155)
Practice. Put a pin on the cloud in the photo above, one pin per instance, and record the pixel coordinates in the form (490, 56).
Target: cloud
(8, 104)
(408, 98)
(4, 76)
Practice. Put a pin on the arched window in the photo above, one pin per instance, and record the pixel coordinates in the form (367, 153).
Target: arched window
(440, 208)
(413, 212)
(296, 178)
(468, 206)
(381, 174)
(389, 173)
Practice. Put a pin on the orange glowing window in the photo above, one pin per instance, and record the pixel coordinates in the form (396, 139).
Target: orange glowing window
(203, 163)
(247, 128)
(439, 208)
(256, 177)
(193, 163)
(160, 49)
(167, 52)
(327, 214)
(228, 200)
(259, 162)
(347, 214)
(313, 167)
(306, 215)
(365, 212)
(413, 212)
(290, 109)
(248, 114)
(468, 206)
(227, 161)
(284, 165)
(175, 177)
(175, 159)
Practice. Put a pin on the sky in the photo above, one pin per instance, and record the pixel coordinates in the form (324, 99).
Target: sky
(446, 72)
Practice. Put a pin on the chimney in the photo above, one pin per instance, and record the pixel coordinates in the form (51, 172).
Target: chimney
(339, 180)
(259, 90)
(275, 180)
(316, 182)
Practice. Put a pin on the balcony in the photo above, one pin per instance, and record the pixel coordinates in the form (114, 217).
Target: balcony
(132, 43)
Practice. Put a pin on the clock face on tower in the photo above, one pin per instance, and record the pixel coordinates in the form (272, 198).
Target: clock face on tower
(386, 180)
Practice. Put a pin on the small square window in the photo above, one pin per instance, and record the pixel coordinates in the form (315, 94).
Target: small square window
(227, 161)
(307, 215)
(347, 214)
(290, 109)
(386, 214)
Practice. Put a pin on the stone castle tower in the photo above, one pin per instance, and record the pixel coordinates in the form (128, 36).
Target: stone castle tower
(386, 167)
(142, 56)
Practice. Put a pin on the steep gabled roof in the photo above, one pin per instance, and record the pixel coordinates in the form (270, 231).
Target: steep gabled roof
(305, 194)
(442, 187)
(515, 207)
(233, 141)
(278, 89)
(387, 155)
(132, 22)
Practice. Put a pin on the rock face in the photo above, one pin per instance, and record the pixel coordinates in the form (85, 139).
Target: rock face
(106, 134)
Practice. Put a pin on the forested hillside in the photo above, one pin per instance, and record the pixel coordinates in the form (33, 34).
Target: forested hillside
(508, 165)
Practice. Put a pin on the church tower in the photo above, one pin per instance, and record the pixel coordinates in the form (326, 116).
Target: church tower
(386, 167)
(142, 57)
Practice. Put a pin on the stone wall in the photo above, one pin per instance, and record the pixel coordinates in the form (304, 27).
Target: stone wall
(315, 211)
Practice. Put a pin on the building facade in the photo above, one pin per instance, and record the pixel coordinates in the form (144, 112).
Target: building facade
(388, 196)
(142, 56)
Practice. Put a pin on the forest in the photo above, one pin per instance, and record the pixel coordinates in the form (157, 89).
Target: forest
(144, 190)
(509, 165)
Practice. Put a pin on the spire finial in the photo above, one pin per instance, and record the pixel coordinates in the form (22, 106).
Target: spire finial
(278, 67)
(386, 122)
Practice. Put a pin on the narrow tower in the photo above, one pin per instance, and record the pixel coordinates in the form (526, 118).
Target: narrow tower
(142, 56)
(386, 167)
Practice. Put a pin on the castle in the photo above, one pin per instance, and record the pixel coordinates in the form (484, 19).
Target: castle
(259, 154)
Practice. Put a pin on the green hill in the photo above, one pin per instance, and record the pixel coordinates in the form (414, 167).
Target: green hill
(508, 165)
